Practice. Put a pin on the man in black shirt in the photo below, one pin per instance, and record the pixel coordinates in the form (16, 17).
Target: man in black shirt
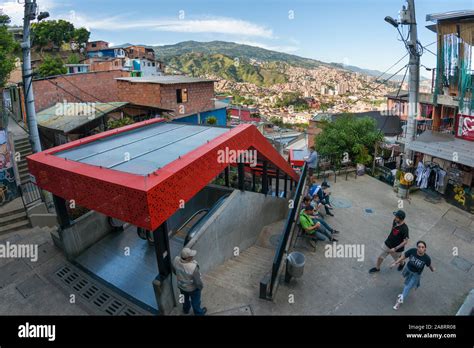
(395, 242)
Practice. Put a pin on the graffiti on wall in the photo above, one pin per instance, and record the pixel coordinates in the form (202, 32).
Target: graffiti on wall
(8, 187)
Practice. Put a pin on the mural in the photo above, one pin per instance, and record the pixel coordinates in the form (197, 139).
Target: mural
(8, 187)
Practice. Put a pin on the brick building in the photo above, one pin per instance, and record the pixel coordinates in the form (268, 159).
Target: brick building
(97, 45)
(87, 87)
(191, 99)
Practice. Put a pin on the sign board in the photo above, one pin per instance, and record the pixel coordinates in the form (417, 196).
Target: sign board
(465, 127)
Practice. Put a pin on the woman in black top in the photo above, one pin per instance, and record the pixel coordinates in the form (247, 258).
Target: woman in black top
(417, 260)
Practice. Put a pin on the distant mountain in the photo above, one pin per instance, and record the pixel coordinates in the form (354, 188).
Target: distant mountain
(217, 57)
(233, 50)
(241, 70)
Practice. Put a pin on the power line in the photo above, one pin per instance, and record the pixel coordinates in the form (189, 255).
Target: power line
(398, 61)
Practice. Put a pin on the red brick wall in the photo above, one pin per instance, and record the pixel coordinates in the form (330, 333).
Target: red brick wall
(139, 93)
(199, 97)
(153, 94)
(100, 45)
(100, 86)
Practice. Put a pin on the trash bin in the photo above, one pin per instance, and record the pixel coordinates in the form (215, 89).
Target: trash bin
(295, 263)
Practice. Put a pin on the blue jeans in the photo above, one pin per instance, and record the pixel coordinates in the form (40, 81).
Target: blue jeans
(324, 223)
(322, 233)
(193, 299)
(412, 280)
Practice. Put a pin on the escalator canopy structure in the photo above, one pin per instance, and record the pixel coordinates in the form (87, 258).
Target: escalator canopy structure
(143, 173)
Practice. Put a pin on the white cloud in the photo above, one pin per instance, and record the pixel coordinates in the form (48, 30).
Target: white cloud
(222, 25)
(15, 10)
(278, 48)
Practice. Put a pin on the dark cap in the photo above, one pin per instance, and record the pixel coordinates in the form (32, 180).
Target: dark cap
(325, 184)
(309, 207)
(400, 214)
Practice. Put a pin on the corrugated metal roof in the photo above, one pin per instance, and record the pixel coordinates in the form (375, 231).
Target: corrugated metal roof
(444, 146)
(165, 80)
(435, 17)
(149, 148)
(67, 117)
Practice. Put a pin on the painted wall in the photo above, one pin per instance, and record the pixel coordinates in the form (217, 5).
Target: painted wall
(236, 223)
(8, 187)
(219, 114)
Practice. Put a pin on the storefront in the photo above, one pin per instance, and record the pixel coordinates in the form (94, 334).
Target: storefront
(452, 180)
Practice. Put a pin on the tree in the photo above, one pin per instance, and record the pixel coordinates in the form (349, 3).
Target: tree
(8, 46)
(350, 137)
(211, 120)
(80, 37)
(73, 59)
(52, 66)
(112, 124)
(58, 32)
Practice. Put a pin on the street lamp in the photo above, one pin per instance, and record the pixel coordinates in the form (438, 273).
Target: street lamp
(391, 21)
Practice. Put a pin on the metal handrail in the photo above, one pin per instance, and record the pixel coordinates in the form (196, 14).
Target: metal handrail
(290, 222)
(191, 233)
(188, 220)
(30, 193)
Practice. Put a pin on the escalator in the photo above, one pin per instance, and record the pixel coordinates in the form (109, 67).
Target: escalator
(188, 229)
(191, 226)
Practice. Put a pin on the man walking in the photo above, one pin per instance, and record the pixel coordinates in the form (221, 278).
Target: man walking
(189, 281)
(395, 242)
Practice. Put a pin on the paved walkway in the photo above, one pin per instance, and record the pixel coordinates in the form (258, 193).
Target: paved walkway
(338, 286)
(343, 286)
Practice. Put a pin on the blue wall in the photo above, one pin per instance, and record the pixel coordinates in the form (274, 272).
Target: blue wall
(220, 114)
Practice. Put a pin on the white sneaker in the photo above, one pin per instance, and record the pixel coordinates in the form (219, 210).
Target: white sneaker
(399, 302)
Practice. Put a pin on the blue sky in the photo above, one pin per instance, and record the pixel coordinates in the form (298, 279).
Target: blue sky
(347, 31)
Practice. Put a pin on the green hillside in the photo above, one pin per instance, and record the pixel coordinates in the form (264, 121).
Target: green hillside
(238, 70)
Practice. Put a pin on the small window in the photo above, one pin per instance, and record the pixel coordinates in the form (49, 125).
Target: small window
(94, 45)
(182, 95)
(153, 64)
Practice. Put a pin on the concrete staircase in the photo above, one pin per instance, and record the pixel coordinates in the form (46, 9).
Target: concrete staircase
(13, 217)
(23, 146)
(242, 273)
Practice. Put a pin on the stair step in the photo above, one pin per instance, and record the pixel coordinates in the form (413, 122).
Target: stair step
(8, 220)
(21, 147)
(250, 262)
(20, 225)
(12, 212)
(22, 142)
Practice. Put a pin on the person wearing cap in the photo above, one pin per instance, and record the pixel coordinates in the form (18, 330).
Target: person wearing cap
(316, 216)
(318, 193)
(316, 228)
(395, 242)
(189, 281)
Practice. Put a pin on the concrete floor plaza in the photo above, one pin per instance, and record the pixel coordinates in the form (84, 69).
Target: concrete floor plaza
(329, 286)
(343, 286)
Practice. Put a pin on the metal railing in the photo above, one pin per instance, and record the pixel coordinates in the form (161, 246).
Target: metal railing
(282, 246)
(30, 193)
(446, 127)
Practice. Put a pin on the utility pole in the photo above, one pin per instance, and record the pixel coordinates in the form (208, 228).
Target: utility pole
(30, 14)
(408, 17)
(414, 85)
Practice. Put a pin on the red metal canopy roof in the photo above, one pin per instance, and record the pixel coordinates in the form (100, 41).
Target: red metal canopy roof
(148, 198)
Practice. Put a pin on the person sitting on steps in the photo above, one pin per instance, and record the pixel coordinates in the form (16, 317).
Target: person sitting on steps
(321, 192)
(317, 217)
(314, 228)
